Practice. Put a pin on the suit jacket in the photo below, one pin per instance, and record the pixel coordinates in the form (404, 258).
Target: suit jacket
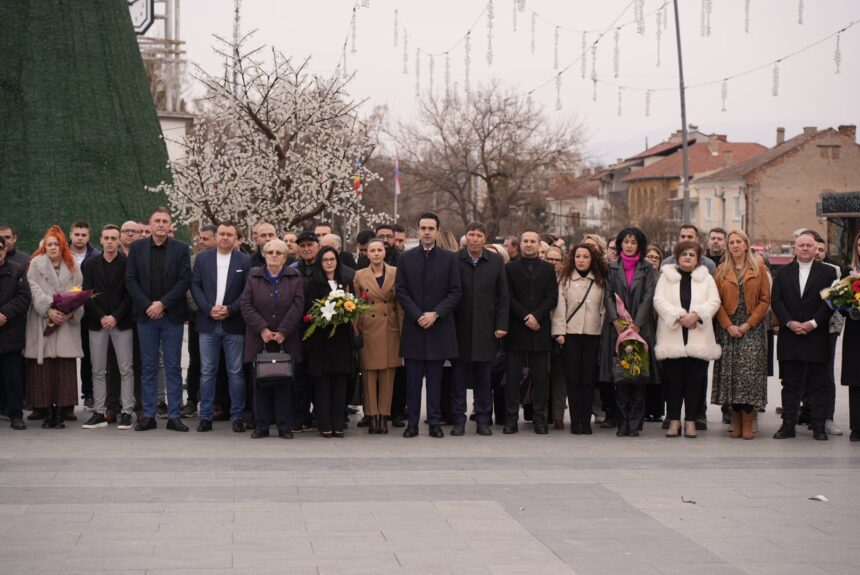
(484, 305)
(536, 295)
(177, 279)
(380, 326)
(428, 283)
(204, 289)
(111, 298)
(790, 305)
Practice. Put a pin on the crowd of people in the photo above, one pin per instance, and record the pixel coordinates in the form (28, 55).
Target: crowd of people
(532, 327)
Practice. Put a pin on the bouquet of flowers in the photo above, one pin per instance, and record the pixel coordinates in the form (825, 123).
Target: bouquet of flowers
(337, 308)
(66, 302)
(633, 360)
(844, 294)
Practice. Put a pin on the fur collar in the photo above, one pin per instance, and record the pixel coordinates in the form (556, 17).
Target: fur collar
(59, 283)
(671, 273)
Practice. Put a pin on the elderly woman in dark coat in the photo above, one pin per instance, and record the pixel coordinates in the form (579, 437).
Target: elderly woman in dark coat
(330, 360)
(631, 278)
(272, 305)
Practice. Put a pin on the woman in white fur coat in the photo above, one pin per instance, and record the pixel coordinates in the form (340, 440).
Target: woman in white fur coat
(686, 300)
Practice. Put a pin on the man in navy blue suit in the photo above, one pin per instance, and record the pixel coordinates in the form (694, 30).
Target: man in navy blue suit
(428, 289)
(158, 274)
(219, 279)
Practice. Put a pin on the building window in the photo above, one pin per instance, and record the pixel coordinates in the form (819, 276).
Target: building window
(737, 214)
(708, 209)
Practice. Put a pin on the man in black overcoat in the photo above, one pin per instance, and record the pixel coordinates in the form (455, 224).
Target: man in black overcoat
(803, 343)
(428, 289)
(482, 319)
(533, 295)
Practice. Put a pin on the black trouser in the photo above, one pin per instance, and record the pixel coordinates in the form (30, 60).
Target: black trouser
(684, 385)
(86, 366)
(702, 406)
(446, 394)
(655, 400)
(577, 359)
(12, 377)
(192, 377)
(498, 385)
(538, 364)
(607, 398)
(830, 395)
(630, 399)
(330, 400)
(794, 375)
(398, 398)
(273, 403)
(854, 407)
(302, 390)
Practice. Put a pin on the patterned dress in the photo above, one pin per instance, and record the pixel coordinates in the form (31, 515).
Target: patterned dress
(740, 375)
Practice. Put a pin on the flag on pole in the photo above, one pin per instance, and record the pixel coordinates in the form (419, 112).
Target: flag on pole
(396, 173)
(356, 177)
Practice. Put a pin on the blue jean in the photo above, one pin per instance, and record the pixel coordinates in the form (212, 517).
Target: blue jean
(167, 336)
(210, 353)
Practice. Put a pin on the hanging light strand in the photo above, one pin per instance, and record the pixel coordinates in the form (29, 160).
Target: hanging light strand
(431, 69)
(594, 72)
(659, 38)
(747, 16)
(616, 55)
(837, 54)
(775, 87)
(447, 76)
(639, 16)
(354, 25)
(800, 12)
(648, 102)
(724, 93)
(514, 14)
(395, 28)
(706, 18)
(557, 92)
(620, 97)
(491, 14)
(583, 65)
(417, 72)
(532, 41)
(555, 50)
(467, 62)
(405, 52)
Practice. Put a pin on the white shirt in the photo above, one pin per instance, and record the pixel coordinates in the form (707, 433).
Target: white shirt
(223, 263)
(804, 274)
(79, 257)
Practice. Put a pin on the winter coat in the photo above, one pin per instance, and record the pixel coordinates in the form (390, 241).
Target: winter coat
(704, 301)
(790, 305)
(262, 308)
(850, 345)
(111, 299)
(638, 298)
(328, 354)
(588, 320)
(484, 305)
(536, 295)
(756, 295)
(14, 303)
(44, 283)
(380, 326)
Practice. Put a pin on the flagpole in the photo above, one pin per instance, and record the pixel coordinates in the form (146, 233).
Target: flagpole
(395, 208)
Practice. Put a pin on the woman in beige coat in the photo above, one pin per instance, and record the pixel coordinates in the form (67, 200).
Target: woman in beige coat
(52, 378)
(380, 329)
(577, 323)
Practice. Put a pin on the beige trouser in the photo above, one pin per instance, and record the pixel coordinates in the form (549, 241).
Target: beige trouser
(378, 387)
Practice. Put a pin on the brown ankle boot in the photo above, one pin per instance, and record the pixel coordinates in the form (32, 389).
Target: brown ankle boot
(381, 424)
(372, 425)
(737, 425)
(747, 423)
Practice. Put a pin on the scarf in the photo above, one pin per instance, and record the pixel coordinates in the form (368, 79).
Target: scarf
(274, 280)
(629, 264)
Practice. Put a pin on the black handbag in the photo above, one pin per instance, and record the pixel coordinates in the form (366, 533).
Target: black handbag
(273, 368)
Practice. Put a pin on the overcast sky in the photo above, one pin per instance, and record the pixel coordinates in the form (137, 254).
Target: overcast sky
(810, 92)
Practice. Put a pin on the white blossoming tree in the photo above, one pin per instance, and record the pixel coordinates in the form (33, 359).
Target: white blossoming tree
(276, 143)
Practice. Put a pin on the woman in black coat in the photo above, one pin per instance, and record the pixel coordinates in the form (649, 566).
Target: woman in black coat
(631, 278)
(850, 345)
(329, 360)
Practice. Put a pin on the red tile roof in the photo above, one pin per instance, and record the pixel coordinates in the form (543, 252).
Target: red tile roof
(701, 160)
(744, 167)
(662, 148)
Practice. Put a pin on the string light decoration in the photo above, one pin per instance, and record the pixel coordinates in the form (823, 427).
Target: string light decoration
(521, 5)
(447, 76)
(837, 54)
(354, 26)
(431, 66)
(659, 35)
(468, 61)
(594, 72)
(620, 97)
(534, 19)
(747, 4)
(800, 12)
(557, 92)
(582, 64)
(491, 15)
(639, 16)
(395, 27)
(514, 14)
(665, 16)
(724, 93)
(365, 3)
(345, 73)
(706, 18)
(417, 72)
(616, 56)
(555, 51)
(648, 102)
(775, 88)
(405, 52)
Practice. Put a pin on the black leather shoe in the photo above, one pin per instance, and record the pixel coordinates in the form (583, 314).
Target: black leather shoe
(576, 427)
(397, 421)
(701, 424)
(510, 428)
(146, 424)
(204, 425)
(541, 428)
(586, 427)
(436, 431)
(855, 436)
(482, 429)
(238, 426)
(175, 424)
(458, 429)
(258, 433)
(666, 423)
(410, 431)
(283, 434)
(785, 432)
(635, 433)
(18, 424)
(819, 433)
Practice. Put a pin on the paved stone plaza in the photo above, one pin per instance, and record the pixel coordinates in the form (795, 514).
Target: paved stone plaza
(78, 501)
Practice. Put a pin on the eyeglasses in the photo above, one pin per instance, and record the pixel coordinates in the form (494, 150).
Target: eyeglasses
(554, 260)
(274, 253)
(131, 232)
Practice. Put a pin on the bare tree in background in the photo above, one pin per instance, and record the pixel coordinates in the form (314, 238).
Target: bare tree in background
(486, 157)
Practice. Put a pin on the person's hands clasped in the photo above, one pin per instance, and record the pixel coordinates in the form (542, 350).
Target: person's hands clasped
(267, 335)
(427, 319)
(532, 323)
(689, 320)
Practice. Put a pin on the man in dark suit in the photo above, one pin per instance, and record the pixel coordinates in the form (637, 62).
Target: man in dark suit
(217, 285)
(158, 274)
(533, 295)
(803, 343)
(108, 320)
(482, 319)
(428, 289)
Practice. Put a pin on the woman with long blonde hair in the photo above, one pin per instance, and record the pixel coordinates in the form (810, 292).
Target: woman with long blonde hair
(740, 375)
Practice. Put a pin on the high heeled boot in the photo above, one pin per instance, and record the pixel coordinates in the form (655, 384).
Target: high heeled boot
(747, 425)
(60, 417)
(381, 425)
(50, 420)
(373, 424)
(737, 423)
